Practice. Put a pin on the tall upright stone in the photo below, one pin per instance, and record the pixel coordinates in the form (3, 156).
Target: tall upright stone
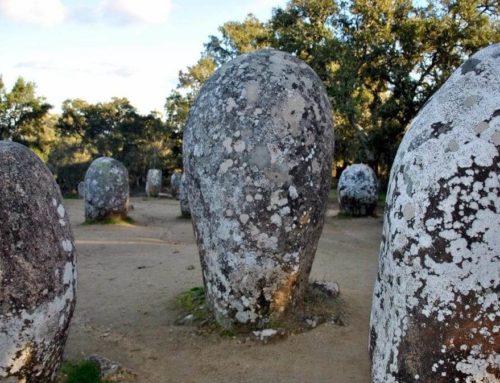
(81, 189)
(357, 190)
(106, 189)
(153, 182)
(175, 183)
(258, 148)
(183, 198)
(436, 305)
(37, 268)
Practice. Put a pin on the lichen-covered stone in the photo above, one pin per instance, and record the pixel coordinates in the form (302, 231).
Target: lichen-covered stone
(436, 308)
(175, 183)
(153, 182)
(37, 268)
(81, 189)
(357, 190)
(106, 189)
(183, 198)
(258, 149)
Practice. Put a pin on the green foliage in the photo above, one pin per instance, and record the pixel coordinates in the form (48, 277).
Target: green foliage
(25, 118)
(380, 61)
(115, 129)
(82, 372)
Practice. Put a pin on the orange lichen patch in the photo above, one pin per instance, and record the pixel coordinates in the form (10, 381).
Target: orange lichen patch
(283, 295)
(304, 218)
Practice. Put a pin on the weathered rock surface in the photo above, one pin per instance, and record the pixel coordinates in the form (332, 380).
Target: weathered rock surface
(183, 198)
(37, 268)
(153, 182)
(258, 149)
(106, 189)
(175, 183)
(436, 308)
(357, 190)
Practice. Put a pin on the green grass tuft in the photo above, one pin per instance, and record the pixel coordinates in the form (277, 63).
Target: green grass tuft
(193, 302)
(81, 372)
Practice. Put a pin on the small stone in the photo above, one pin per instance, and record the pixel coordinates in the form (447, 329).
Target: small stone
(153, 182)
(357, 190)
(268, 334)
(329, 289)
(106, 189)
(312, 323)
(190, 267)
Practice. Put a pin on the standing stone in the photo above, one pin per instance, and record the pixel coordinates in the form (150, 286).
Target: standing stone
(37, 268)
(436, 308)
(258, 149)
(183, 198)
(175, 183)
(153, 182)
(357, 190)
(106, 189)
(81, 189)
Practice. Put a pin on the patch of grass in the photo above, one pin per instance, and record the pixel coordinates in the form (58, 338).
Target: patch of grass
(343, 215)
(316, 307)
(323, 307)
(113, 220)
(71, 196)
(192, 305)
(193, 302)
(84, 371)
(381, 198)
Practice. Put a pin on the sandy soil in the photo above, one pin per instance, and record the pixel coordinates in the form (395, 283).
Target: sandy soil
(129, 276)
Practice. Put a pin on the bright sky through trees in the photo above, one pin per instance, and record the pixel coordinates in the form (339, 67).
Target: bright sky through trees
(97, 49)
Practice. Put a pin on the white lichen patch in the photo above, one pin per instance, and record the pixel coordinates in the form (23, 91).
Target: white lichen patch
(225, 165)
(60, 211)
(440, 255)
(19, 343)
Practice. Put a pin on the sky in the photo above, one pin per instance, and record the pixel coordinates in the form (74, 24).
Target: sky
(99, 49)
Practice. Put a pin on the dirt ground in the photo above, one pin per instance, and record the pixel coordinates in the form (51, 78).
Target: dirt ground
(129, 276)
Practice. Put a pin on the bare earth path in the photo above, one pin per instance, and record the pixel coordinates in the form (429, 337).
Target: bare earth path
(129, 276)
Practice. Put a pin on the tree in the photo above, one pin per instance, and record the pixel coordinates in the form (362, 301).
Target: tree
(25, 118)
(380, 61)
(115, 129)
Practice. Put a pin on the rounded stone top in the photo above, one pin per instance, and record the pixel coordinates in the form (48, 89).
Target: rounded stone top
(37, 252)
(264, 98)
(107, 165)
(358, 182)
